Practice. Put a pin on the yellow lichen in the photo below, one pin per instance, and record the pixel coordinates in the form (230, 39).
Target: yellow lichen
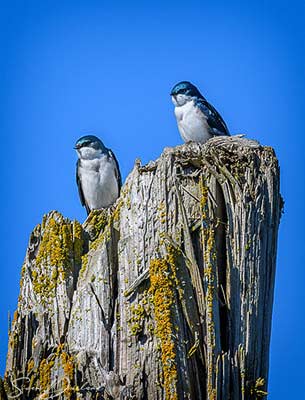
(171, 258)
(209, 256)
(123, 197)
(163, 297)
(30, 365)
(85, 261)
(102, 223)
(68, 367)
(61, 242)
(51, 249)
(203, 198)
(98, 219)
(54, 256)
(248, 245)
(135, 321)
(54, 361)
(77, 242)
(45, 369)
(257, 389)
(162, 214)
(15, 317)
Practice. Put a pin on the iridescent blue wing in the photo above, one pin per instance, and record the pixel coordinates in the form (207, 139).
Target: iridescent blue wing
(216, 123)
(80, 190)
(117, 168)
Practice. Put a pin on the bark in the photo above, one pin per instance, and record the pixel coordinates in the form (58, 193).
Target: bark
(168, 295)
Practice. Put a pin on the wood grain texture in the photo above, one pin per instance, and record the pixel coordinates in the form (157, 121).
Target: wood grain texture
(166, 296)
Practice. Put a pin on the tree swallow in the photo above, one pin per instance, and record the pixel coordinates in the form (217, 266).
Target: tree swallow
(98, 175)
(197, 120)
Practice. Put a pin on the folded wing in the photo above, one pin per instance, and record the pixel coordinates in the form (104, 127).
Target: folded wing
(117, 168)
(216, 123)
(80, 190)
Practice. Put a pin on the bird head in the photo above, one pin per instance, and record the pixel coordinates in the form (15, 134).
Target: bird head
(89, 147)
(183, 92)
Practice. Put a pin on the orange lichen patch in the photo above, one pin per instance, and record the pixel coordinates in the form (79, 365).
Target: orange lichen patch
(15, 317)
(163, 294)
(45, 369)
(30, 365)
(68, 367)
(57, 361)
(171, 257)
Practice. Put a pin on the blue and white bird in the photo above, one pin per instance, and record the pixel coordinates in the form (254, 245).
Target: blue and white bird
(197, 120)
(98, 175)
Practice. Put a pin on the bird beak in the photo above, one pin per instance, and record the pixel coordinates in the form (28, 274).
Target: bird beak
(76, 147)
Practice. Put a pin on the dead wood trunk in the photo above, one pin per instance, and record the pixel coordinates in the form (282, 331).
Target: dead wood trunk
(167, 296)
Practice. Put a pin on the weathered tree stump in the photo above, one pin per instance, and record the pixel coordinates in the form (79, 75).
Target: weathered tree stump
(166, 296)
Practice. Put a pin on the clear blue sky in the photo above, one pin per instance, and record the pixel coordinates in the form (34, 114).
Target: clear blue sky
(69, 67)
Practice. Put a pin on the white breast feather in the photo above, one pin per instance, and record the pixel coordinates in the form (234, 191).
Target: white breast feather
(99, 183)
(192, 123)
